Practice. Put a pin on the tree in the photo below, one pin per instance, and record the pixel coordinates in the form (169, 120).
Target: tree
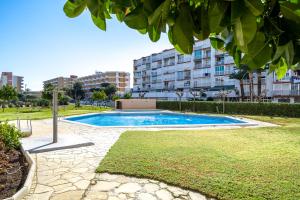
(77, 93)
(196, 92)
(99, 95)
(127, 95)
(240, 75)
(47, 92)
(180, 93)
(7, 94)
(110, 90)
(254, 32)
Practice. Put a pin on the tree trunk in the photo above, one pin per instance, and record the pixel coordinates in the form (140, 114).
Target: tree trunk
(251, 85)
(242, 90)
(259, 86)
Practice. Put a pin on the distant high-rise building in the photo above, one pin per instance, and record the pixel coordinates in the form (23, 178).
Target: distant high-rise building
(62, 82)
(7, 78)
(120, 79)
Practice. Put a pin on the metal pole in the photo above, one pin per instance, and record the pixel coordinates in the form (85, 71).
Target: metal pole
(54, 111)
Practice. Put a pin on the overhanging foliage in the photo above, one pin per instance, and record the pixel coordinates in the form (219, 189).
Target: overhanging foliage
(254, 32)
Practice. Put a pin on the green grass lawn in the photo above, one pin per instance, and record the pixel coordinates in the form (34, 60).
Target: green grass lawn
(44, 113)
(260, 163)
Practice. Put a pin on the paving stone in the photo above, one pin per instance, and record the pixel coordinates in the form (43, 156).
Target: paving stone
(104, 186)
(146, 196)
(196, 196)
(72, 195)
(42, 196)
(95, 195)
(129, 188)
(83, 184)
(177, 191)
(42, 189)
(57, 182)
(164, 194)
(151, 188)
(107, 177)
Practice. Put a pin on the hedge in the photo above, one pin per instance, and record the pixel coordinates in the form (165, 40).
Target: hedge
(240, 108)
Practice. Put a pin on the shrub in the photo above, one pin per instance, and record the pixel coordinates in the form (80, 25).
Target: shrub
(43, 103)
(241, 108)
(10, 136)
(64, 100)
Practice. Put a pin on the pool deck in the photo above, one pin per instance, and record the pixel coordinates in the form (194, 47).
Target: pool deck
(70, 173)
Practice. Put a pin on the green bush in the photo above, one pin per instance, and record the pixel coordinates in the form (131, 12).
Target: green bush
(10, 136)
(241, 108)
(43, 103)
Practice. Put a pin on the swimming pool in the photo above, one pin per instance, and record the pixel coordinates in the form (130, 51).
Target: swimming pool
(152, 119)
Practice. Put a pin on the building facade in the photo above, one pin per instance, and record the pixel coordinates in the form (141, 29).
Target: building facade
(160, 75)
(120, 79)
(62, 82)
(7, 78)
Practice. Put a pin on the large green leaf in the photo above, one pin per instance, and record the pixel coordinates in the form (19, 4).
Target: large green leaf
(183, 30)
(136, 19)
(259, 52)
(280, 68)
(255, 6)
(74, 8)
(291, 11)
(99, 22)
(245, 28)
(287, 51)
(216, 13)
(216, 42)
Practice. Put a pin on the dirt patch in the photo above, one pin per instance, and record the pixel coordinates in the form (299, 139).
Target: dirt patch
(13, 171)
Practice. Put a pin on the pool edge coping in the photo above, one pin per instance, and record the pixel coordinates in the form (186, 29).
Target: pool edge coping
(248, 122)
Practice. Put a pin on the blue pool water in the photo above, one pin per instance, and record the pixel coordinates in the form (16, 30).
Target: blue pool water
(152, 119)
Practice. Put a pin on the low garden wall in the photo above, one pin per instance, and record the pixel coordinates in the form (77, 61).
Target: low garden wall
(241, 108)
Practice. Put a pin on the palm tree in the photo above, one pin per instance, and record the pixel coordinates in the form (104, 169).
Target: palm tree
(240, 75)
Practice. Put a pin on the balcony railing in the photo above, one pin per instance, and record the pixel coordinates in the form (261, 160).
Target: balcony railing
(219, 73)
(220, 62)
(198, 66)
(286, 92)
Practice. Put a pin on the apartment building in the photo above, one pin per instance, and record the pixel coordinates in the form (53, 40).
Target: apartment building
(160, 75)
(62, 82)
(120, 79)
(7, 78)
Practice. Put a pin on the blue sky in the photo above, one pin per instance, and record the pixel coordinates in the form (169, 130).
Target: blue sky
(39, 42)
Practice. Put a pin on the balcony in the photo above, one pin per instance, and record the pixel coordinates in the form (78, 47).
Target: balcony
(169, 87)
(200, 84)
(286, 92)
(198, 65)
(169, 64)
(220, 62)
(219, 73)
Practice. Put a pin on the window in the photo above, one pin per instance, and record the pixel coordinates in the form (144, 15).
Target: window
(180, 75)
(219, 70)
(180, 58)
(198, 54)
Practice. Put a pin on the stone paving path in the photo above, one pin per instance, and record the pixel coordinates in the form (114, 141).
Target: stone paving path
(70, 174)
(119, 187)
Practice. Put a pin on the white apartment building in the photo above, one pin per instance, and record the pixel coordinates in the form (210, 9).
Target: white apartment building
(120, 79)
(160, 75)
